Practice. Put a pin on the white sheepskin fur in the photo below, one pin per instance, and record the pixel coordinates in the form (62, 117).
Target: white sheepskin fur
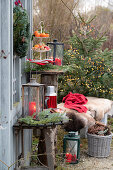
(97, 107)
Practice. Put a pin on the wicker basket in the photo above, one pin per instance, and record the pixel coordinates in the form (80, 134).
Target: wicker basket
(99, 146)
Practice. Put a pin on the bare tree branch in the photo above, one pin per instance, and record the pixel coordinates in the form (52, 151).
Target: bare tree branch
(59, 21)
(70, 9)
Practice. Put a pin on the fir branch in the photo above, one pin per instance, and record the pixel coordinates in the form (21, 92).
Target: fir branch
(75, 18)
(90, 20)
(92, 48)
(83, 46)
(44, 118)
(81, 18)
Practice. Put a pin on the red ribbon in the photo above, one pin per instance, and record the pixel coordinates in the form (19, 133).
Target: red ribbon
(41, 62)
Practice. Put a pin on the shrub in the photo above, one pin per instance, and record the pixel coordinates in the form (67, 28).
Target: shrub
(90, 69)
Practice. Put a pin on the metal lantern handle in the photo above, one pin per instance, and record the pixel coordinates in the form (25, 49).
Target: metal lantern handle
(46, 106)
(40, 24)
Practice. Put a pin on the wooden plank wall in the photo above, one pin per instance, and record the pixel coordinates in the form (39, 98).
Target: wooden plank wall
(9, 112)
(5, 83)
(27, 133)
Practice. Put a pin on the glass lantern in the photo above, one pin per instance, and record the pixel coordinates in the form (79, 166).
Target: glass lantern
(71, 147)
(32, 98)
(56, 53)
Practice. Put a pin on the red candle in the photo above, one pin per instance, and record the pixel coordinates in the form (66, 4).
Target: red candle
(68, 157)
(58, 61)
(32, 108)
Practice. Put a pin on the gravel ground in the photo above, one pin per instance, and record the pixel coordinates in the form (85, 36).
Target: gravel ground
(91, 163)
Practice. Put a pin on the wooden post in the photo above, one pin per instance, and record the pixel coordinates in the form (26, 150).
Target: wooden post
(50, 147)
(42, 157)
(22, 142)
(23, 101)
(16, 135)
(50, 80)
(47, 147)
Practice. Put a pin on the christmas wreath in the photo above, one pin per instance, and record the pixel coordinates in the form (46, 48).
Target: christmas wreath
(21, 30)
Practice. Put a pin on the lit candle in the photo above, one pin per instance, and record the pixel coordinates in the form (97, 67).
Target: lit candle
(68, 157)
(58, 61)
(32, 108)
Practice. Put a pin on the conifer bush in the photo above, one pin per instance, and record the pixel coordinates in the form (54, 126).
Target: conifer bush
(90, 69)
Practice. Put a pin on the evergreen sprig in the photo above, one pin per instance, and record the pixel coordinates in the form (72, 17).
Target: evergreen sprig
(48, 67)
(44, 118)
(21, 31)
